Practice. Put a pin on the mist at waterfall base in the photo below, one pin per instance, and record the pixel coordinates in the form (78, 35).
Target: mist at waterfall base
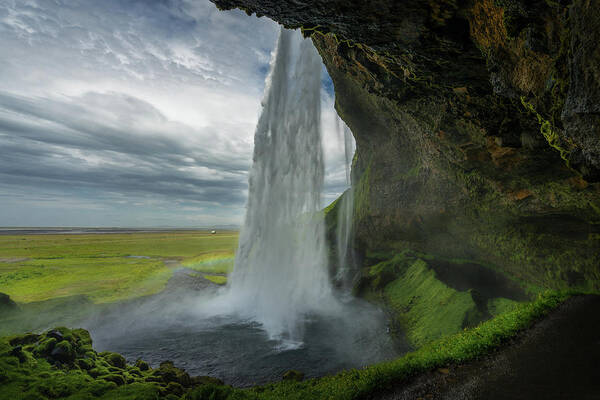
(279, 311)
(235, 349)
(280, 271)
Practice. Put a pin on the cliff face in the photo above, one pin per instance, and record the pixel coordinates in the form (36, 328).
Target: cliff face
(477, 126)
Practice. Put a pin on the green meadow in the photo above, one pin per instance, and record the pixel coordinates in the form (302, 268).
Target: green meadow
(108, 267)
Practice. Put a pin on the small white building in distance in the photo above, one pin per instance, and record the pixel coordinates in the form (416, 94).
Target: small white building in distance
(213, 232)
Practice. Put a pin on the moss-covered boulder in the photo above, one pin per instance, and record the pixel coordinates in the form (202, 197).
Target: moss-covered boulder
(61, 362)
(63, 351)
(114, 359)
(142, 365)
(168, 373)
(45, 346)
(293, 375)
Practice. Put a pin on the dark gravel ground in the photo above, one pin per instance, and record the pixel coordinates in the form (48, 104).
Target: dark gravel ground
(558, 358)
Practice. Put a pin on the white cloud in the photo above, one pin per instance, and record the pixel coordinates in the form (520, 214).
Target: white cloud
(151, 105)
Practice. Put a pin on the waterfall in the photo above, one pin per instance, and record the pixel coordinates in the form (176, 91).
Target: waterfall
(346, 270)
(280, 273)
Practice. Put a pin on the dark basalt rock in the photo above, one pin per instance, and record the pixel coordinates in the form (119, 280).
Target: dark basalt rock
(118, 379)
(6, 304)
(476, 126)
(114, 359)
(17, 351)
(168, 373)
(28, 338)
(293, 375)
(56, 334)
(581, 112)
(142, 365)
(174, 388)
(63, 352)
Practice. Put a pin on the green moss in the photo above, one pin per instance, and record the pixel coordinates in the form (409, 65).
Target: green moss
(85, 363)
(421, 305)
(45, 346)
(524, 253)
(481, 189)
(212, 262)
(426, 308)
(411, 173)
(175, 389)
(98, 371)
(384, 272)
(217, 392)
(116, 378)
(501, 305)
(293, 375)
(114, 359)
(134, 391)
(362, 192)
(549, 133)
(142, 365)
(64, 350)
(218, 279)
(104, 375)
(332, 207)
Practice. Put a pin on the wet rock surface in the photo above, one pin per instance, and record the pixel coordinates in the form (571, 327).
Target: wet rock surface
(556, 359)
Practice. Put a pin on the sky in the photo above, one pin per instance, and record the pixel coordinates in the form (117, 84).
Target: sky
(134, 112)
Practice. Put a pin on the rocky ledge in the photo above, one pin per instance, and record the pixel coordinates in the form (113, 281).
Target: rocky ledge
(477, 127)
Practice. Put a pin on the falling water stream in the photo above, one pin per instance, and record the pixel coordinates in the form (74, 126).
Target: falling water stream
(345, 258)
(279, 311)
(280, 272)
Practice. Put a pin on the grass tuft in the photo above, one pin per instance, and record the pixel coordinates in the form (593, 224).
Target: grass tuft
(218, 279)
(428, 308)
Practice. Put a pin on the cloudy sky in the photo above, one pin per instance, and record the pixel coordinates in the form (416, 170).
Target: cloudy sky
(133, 112)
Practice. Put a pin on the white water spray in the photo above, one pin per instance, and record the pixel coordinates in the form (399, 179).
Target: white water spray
(345, 212)
(280, 273)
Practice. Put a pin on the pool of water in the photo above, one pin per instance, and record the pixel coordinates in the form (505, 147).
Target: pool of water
(237, 350)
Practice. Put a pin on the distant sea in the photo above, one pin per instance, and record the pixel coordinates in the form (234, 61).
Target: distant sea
(80, 231)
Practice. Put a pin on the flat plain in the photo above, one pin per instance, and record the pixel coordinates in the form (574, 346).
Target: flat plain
(107, 267)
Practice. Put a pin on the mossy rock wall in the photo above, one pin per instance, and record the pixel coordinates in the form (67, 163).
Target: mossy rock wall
(428, 298)
(475, 124)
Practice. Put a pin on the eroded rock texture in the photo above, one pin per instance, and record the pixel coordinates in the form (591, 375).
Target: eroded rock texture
(477, 126)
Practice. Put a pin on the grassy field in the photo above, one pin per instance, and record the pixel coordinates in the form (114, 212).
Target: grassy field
(213, 262)
(107, 267)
